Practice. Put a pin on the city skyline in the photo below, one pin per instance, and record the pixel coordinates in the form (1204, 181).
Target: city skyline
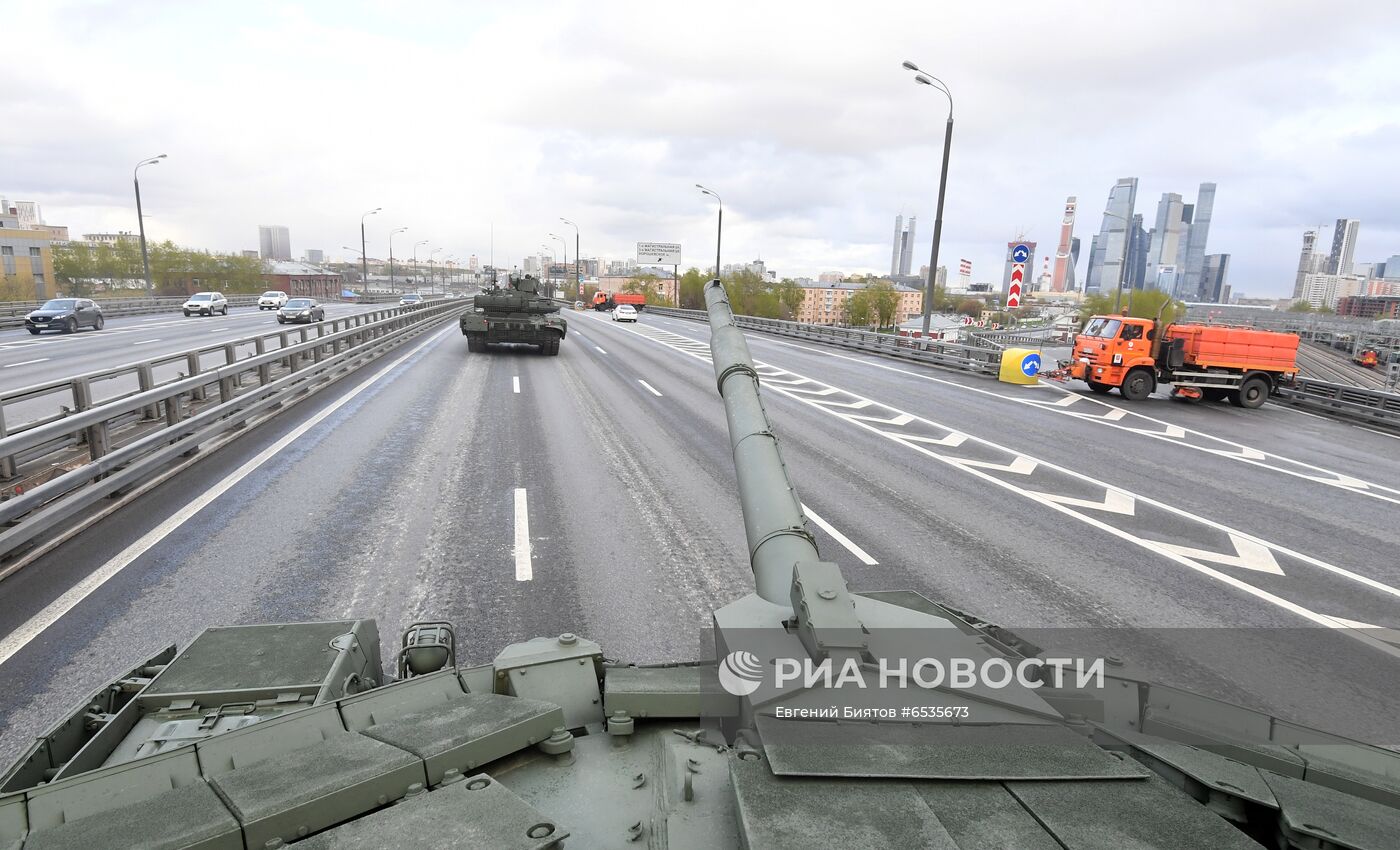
(766, 122)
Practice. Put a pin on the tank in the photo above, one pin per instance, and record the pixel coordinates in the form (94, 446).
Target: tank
(516, 313)
(262, 736)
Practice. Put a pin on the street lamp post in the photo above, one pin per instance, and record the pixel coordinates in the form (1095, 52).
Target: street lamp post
(578, 259)
(364, 263)
(566, 250)
(415, 258)
(141, 219)
(719, 226)
(929, 80)
(391, 255)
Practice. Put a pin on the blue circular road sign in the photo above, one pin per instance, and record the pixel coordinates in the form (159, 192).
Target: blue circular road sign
(1030, 364)
(1021, 253)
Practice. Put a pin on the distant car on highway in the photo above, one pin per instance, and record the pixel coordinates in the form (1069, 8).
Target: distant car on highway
(412, 299)
(206, 304)
(66, 315)
(272, 299)
(624, 313)
(301, 310)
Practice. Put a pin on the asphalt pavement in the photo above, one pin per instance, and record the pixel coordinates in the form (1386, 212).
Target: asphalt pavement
(1236, 552)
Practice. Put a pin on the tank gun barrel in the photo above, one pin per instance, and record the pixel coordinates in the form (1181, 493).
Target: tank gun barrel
(773, 520)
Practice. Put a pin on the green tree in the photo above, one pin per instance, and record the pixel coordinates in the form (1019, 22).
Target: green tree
(692, 289)
(884, 302)
(1300, 306)
(1142, 303)
(73, 266)
(971, 307)
(790, 297)
(860, 309)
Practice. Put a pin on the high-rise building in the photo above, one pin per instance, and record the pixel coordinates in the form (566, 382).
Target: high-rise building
(1309, 262)
(1392, 268)
(898, 245)
(1107, 251)
(1343, 246)
(1197, 233)
(1137, 253)
(315, 256)
(274, 242)
(902, 252)
(1214, 269)
(1062, 278)
(1027, 264)
(472, 262)
(1167, 241)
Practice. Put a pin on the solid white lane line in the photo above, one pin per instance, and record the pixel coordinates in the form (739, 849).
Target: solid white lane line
(1362, 427)
(600, 351)
(649, 387)
(515, 382)
(43, 359)
(35, 626)
(1302, 412)
(145, 341)
(860, 553)
(523, 572)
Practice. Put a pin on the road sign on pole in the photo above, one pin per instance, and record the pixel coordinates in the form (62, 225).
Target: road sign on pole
(658, 254)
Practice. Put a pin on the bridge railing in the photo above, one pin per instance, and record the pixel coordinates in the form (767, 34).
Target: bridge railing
(1378, 407)
(967, 358)
(55, 466)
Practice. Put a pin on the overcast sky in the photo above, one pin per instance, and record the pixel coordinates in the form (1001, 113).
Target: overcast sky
(455, 117)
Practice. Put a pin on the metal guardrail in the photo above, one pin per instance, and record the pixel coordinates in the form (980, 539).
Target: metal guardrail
(125, 440)
(966, 358)
(1377, 407)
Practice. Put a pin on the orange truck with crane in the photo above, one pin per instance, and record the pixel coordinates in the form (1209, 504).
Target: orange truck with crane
(1242, 365)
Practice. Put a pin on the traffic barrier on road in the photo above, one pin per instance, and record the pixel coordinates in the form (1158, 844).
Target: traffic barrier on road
(1019, 366)
(98, 450)
(965, 358)
(1345, 401)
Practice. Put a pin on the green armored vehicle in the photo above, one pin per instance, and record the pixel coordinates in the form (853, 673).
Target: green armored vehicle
(824, 718)
(518, 312)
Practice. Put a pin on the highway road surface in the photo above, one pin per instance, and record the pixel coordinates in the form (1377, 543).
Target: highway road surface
(1236, 552)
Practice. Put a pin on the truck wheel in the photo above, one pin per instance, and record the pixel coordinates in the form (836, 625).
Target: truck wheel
(1101, 389)
(1137, 386)
(1252, 394)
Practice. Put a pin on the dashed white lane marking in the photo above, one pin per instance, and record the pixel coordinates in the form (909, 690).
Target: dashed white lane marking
(515, 383)
(860, 553)
(145, 341)
(649, 387)
(1374, 431)
(44, 359)
(523, 571)
(600, 350)
(35, 625)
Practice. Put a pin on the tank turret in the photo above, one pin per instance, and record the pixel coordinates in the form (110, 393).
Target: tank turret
(515, 313)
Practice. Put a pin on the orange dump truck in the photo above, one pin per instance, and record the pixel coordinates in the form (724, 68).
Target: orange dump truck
(1242, 365)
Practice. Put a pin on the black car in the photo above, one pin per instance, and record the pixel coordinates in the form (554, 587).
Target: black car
(66, 315)
(301, 310)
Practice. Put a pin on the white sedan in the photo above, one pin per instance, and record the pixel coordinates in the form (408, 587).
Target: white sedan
(272, 299)
(624, 313)
(206, 304)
